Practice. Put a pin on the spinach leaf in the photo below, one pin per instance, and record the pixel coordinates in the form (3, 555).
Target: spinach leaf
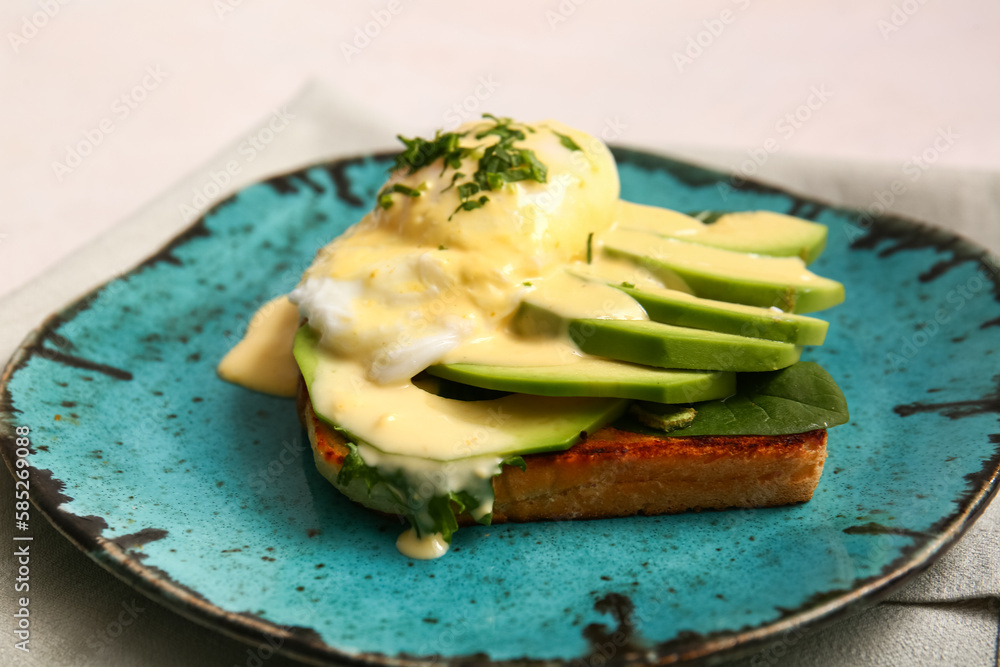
(800, 398)
(397, 493)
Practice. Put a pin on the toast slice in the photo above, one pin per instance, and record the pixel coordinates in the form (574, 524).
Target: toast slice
(614, 473)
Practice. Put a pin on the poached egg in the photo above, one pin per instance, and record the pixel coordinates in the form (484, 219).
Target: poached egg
(415, 281)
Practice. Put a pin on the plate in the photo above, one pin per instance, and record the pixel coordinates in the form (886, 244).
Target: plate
(204, 496)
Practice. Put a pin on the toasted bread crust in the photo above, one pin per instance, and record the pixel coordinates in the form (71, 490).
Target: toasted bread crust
(614, 473)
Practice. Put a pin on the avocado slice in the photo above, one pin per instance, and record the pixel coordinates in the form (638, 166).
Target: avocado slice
(664, 418)
(726, 275)
(447, 429)
(684, 310)
(658, 344)
(760, 232)
(595, 377)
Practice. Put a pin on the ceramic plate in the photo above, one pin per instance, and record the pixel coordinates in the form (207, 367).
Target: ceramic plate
(204, 496)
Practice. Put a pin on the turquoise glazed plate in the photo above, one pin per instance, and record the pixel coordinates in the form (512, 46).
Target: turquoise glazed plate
(204, 495)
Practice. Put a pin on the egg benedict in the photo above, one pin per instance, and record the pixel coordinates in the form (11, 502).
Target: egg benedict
(500, 307)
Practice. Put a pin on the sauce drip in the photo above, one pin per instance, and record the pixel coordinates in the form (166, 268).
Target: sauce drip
(427, 547)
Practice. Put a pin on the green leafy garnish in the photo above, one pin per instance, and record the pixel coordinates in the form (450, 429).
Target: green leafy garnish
(567, 141)
(527, 283)
(420, 153)
(470, 205)
(628, 285)
(501, 129)
(499, 164)
(385, 197)
(590, 247)
(457, 175)
(466, 190)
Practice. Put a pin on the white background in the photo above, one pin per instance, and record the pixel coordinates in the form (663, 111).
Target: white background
(594, 64)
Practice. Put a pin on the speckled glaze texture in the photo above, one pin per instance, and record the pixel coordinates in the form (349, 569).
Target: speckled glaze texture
(204, 495)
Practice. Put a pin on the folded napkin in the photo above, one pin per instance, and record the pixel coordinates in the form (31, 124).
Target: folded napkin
(947, 616)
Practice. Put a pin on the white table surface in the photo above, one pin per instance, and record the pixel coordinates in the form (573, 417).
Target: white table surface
(608, 65)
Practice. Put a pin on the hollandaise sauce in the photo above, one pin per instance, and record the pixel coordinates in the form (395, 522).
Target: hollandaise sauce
(468, 226)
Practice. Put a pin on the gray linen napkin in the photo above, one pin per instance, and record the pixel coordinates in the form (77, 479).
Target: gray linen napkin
(947, 616)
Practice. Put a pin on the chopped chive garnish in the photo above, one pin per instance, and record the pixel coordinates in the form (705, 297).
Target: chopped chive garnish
(628, 285)
(498, 164)
(457, 175)
(385, 197)
(466, 190)
(590, 248)
(470, 205)
(567, 141)
(420, 153)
